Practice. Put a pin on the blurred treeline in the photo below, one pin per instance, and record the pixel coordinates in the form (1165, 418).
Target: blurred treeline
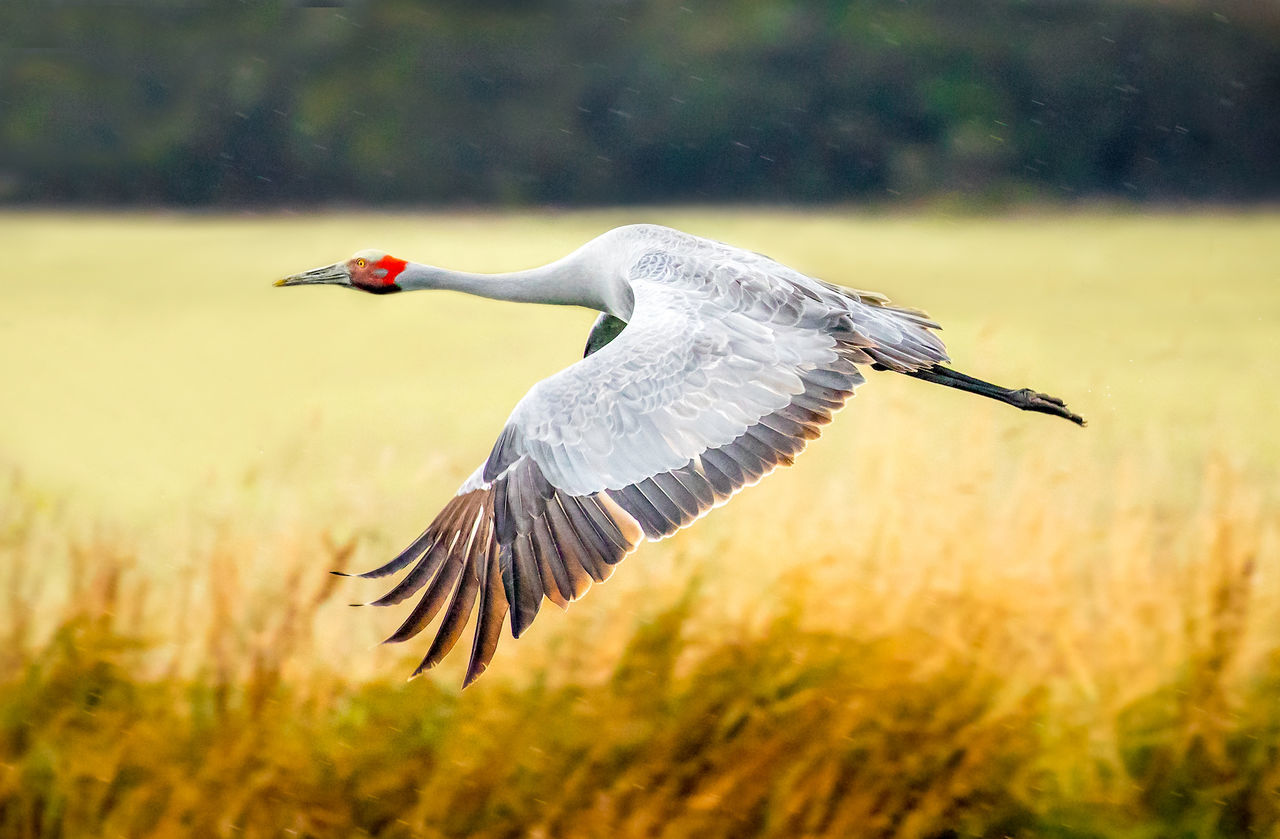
(591, 101)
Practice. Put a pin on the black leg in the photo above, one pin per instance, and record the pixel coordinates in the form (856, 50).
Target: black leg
(1025, 398)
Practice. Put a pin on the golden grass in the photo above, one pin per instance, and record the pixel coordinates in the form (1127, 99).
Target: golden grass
(950, 619)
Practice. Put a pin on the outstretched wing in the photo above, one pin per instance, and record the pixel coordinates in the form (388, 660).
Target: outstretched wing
(719, 377)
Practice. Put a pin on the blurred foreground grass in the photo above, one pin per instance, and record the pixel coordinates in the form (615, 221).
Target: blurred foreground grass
(950, 619)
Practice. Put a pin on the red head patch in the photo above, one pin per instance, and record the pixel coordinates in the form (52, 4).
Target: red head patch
(392, 266)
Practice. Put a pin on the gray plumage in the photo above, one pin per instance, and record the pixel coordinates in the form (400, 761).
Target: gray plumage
(709, 367)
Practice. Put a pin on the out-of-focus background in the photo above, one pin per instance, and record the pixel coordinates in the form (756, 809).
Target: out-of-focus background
(950, 619)
(602, 103)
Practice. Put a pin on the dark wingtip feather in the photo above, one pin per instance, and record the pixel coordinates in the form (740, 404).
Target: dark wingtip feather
(493, 610)
(456, 615)
(431, 602)
(522, 584)
(523, 613)
(474, 671)
(415, 549)
(520, 621)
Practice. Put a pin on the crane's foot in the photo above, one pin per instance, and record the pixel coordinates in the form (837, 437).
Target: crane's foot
(1028, 400)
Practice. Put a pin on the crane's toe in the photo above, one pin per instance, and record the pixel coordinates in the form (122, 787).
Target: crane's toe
(1029, 400)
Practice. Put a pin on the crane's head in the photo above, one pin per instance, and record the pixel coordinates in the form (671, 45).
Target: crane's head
(369, 270)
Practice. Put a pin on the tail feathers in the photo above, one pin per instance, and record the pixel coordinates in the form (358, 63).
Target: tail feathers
(1024, 398)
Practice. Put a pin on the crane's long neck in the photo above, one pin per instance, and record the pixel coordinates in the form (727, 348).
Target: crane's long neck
(565, 282)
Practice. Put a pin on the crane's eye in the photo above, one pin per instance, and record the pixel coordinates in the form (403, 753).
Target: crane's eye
(360, 263)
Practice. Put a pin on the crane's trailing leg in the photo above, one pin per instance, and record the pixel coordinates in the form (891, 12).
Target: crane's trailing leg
(1025, 398)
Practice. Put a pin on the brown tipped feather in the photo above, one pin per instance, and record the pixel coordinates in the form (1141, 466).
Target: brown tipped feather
(489, 618)
(834, 398)
(419, 576)
(522, 583)
(504, 527)
(777, 441)
(409, 554)
(568, 549)
(665, 506)
(471, 521)
(753, 466)
(619, 532)
(803, 416)
(551, 570)
(696, 485)
(455, 617)
(755, 446)
(430, 603)
(632, 500)
(726, 466)
(720, 481)
(579, 577)
(681, 497)
(798, 422)
(627, 526)
(430, 563)
(577, 538)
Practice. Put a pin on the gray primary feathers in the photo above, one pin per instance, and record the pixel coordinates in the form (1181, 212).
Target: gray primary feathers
(729, 363)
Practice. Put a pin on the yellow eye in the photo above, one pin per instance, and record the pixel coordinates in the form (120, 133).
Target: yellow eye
(360, 263)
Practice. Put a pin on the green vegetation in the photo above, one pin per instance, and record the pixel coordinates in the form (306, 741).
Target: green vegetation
(950, 618)
(579, 101)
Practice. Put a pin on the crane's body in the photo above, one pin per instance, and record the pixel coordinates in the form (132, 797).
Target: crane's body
(709, 367)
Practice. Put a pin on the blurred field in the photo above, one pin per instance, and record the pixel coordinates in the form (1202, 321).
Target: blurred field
(951, 618)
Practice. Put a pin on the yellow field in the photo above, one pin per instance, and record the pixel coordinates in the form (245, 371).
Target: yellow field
(950, 616)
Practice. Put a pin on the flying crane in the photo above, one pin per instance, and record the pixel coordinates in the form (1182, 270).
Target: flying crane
(708, 367)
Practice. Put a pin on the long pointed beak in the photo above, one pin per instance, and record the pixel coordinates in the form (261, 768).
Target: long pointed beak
(335, 274)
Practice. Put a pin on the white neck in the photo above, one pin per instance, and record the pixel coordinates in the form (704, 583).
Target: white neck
(565, 282)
